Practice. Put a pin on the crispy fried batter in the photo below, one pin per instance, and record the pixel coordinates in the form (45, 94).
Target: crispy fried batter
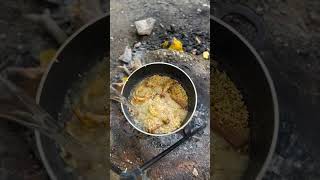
(178, 94)
(156, 80)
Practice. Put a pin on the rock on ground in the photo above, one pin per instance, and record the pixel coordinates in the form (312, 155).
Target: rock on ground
(144, 27)
(127, 55)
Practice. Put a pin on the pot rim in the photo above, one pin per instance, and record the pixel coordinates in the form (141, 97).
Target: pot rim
(273, 94)
(186, 122)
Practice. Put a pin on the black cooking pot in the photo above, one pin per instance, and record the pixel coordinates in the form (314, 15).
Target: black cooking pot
(165, 69)
(242, 63)
(77, 55)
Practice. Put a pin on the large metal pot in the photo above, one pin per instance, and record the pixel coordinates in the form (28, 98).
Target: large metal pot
(77, 55)
(246, 68)
(166, 69)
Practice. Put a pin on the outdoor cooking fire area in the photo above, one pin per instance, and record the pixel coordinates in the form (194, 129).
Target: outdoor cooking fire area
(149, 37)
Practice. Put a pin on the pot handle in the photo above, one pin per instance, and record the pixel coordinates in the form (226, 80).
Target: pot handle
(254, 19)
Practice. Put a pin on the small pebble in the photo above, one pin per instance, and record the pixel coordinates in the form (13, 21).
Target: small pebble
(127, 55)
(172, 28)
(206, 5)
(138, 44)
(194, 51)
(195, 172)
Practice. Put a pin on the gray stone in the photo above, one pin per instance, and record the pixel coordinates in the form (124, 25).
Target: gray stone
(127, 55)
(145, 26)
(138, 44)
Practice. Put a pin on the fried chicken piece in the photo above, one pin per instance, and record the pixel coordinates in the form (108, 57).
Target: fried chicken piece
(179, 95)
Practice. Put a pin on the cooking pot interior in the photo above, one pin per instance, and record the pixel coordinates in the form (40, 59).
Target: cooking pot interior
(243, 67)
(88, 47)
(166, 70)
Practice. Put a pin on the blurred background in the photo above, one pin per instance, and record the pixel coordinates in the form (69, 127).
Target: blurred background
(31, 31)
(290, 48)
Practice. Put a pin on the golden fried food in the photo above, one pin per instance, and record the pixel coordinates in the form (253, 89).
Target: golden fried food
(157, 81)
(161, 104)
(178, 94)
